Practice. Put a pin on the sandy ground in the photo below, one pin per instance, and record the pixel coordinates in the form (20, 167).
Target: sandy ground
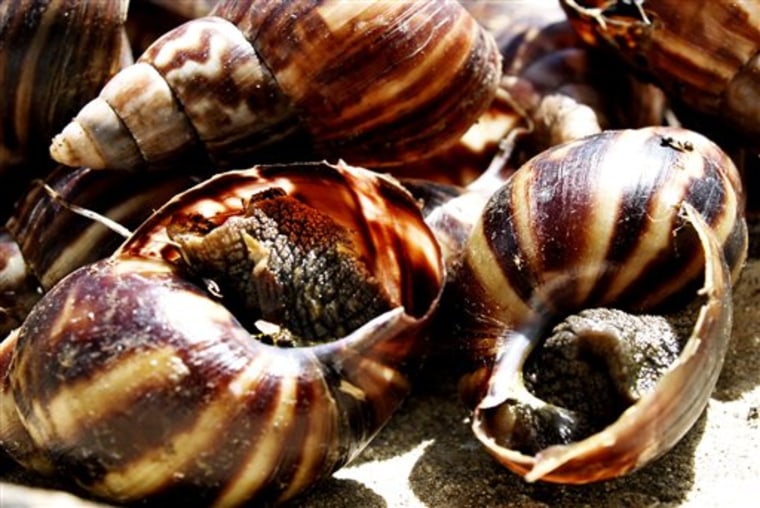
(427, 456)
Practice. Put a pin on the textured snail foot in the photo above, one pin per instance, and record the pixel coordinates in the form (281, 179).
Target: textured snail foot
(660, 388)
(286, 264)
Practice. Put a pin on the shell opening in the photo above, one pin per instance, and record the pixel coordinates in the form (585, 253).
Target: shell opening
(301, 254)
(289, 272)
(590, 368)
(608, 391)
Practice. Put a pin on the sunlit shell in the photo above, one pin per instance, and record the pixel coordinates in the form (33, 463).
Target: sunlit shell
(157, 390)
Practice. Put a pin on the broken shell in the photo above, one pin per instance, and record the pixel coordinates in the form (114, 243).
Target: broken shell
(634, 219)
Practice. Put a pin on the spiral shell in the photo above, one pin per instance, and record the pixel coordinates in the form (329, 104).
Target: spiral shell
(54, 240)
(157, 391)
(704, 53)
(45, 72)
(631, 219)
(373, 83)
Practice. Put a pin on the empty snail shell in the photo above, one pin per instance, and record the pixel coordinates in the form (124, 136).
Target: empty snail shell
(704, 53)
(132, 377)
(374, 83)
(632, 219)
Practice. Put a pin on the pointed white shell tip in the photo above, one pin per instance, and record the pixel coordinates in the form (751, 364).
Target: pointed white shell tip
(73, 147)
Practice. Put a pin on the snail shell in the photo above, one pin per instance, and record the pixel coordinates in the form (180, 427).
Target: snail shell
(19, 289)
(631, 219)
(46, 77)
(704, 53)
(374, 83)
(45, 74)
(157, 390)
(54, 240)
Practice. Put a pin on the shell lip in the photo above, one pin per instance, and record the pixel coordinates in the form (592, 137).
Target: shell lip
(653, 424)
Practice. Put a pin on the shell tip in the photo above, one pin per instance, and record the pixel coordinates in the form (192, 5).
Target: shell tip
(74, 147)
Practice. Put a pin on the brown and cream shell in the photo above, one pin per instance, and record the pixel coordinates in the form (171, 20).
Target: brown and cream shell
(638, 220)
(374, 83)
(134, 377)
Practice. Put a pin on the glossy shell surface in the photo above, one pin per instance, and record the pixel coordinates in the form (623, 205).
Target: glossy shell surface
(631, 219)
(374, 83)
(155, 379)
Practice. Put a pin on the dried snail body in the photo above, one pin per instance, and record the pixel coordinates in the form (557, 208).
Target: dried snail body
(703, 53)
(633, 219)
(374, 83)
(133, 378)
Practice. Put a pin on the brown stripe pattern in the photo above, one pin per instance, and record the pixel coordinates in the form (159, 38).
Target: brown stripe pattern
(54, 240)
(140, 385)
(705, 53)
(45, 73)
(599, 222)
(633, 219)
(372, 82)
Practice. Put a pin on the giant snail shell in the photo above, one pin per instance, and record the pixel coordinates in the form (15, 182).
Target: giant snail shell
(704, 53)
(47, 75)
(56, 228)
(133, 378)
(630, 219)
(374, 83)
(553, 90)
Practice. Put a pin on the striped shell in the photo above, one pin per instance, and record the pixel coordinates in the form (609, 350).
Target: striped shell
(55, 240)
(139, 384)
(374, 83)
(705, 53)
(46, 76)
(631, 219)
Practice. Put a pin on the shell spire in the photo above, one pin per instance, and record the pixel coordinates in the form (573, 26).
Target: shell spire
(373, 83)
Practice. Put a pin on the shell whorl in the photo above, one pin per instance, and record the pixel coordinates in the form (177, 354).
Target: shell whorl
(600, 213)
(374, 83)
(159, 392)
